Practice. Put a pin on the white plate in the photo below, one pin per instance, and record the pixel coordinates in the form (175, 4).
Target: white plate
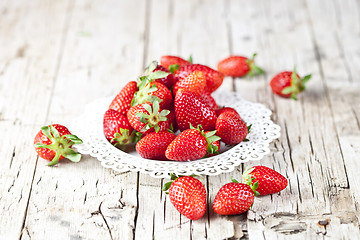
(89, 127)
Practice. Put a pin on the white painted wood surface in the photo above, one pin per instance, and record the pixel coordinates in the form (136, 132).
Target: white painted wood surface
(55, 56)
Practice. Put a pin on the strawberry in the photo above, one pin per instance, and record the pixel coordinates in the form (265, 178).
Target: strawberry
(146, 118)
(191, 144)
(54, 142)
(188, 196)
(209, 100)
(169, 80)
(213, 78)
(117, 128)
(151, 92)
(173, 63)
(226, 109)
(288, 84)
(231, 128)
(238, 66)
(194, 82)
(269, 181)
(153, 145)
(192, 109)
(122, 101)
(234, 198)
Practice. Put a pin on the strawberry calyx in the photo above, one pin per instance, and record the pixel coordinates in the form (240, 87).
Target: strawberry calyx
(210, 138)
(297, 84)
(254, 69)
(124, 137)
(60, 144)
(248, 179)
(153, 117)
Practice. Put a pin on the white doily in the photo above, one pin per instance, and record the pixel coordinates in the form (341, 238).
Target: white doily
(89, 127)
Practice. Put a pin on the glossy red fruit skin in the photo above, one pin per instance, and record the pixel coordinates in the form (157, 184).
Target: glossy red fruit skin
(233, 198)
(192, 109)
(169, 80)
(234, 66)
(166, 61)
(209, 100)
(189, 145)
(46, 153)
(188, 195)
(194, 82)
(113, 121)
(270, 181)
(281, 81)
(154, 145)
(226, 109)
(122, 101)
(213, 78)
(231, 128)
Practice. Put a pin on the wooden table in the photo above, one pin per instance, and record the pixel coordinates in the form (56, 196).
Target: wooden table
(57, 56)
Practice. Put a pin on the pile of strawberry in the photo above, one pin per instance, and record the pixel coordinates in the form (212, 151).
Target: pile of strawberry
(171, 96)
(188, 194)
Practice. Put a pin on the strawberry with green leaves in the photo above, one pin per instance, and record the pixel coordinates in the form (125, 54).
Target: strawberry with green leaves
(192, 109)
(213, 78)
(54, 143)
(154, 145)
(231, 128)
(234, 198)
(122, 101)
(239, 66)
(268, 180)
(192, 144)
(188, 196)
(146, 118)
(288, 84)
(117, 128)
(173, 63)
(194, 82)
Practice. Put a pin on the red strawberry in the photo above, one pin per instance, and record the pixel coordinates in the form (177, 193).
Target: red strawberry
(192, 109)
(226, 109)
(213, 78)
(122, 101)
(169, 80)
(188, 195)
(146, 118)
(54, 142)
(194, 82)
(288, 84)
(151, 92)
(153, 145)
(117, 128)
(233, 198)
(269, 181)
(206, 96)
(231, 128)
(191, 144)
(238, 66)
(173, 63)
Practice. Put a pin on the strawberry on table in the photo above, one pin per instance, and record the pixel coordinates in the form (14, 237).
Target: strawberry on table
(54, 143)
(173, 63)
(122, 101)
(239, 66)
(192, 109)
(194, 82)
(151, 92)
(288, 84)
(234, 198)
(192, 144)
(153, 145)
(146, 118)
(231, 128)
(269, 181)
(213, 78)
(117, 128)
(188, 196)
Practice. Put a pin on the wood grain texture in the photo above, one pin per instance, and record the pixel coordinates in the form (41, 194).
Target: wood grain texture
(57, 56)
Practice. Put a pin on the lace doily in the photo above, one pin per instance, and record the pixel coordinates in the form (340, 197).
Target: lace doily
(89, 127)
